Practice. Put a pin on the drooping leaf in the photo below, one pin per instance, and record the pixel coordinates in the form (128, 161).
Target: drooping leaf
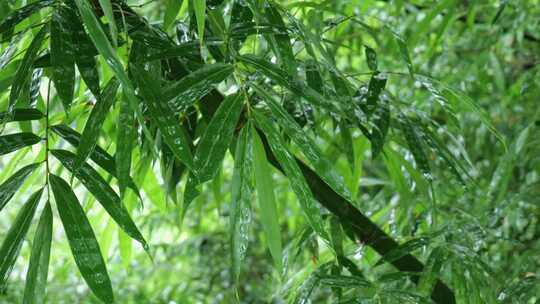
(199, 8)
(309, 148)
(297, 180)
(107, 8)
(13, 183)
(38, 268)
(21, 115)
(371, 58)
(173, 7)
(15, 237)
(183, 93)
(82, 240)
(22, 13)
(62, 56)
(280, 40)
(267, 202)
(170, 128)
(214, 142)
(416, 145)
(25, 68)
(241, 200)
(124, 139)
(375, 88)
(16, 141)
(99, 156)
(93, 125)
(101, 190)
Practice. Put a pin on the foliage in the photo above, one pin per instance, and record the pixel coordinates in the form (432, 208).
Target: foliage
(265, 151)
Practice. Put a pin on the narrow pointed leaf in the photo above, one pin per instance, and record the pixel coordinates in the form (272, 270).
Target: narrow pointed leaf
(93, 125)
(163, 118)
(124, 139)
(183, 93)
(82, 240)
(322, 166)
(99, 156)
(241, 199)
(215, 140)
(104, 194)
(62, 56)
(21, 115)
(107, 8)
(416, 145)
(173, 7)
(371, 58)
(297, 180)
(15, 237)
(38, 268)
(199, 7)
(267, 201)
(375, 88)
(25, 68)
(281, 40)
(16, 141)
(12, 184)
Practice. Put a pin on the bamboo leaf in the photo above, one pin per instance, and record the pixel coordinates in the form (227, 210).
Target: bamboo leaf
(15, 237)
(416, 144)
(107, 8)
(38, 268)
(241, 198)
(124, 139)
(199, 7)
(298, 183)
(215, 140)
(173, 7)
(82, 240)
(104, 194)
(25, 68)
(16, 141)
(93, 125)
(308, 147)
(21, 115)
(62, 56)
(99, 156)
(183, 93)
(170, 128)
(13, 183)
(267, 201)
(280, 40)
(22, 13)
(371, 58)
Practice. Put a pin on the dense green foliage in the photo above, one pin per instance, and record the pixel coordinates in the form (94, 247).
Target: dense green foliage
(259, 151)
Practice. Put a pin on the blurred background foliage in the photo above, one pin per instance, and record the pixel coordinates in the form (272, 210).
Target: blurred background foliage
(476, 71)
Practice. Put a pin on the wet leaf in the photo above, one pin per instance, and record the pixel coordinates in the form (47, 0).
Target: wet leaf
(215, 140)
(22, 13)
(296, 178)
(241, 200)
(62, 56)
(104, 194)
(38, 267)
(13, 183)
(21, 115)
(371, 58)
(107, 8)
(16, 141)
(126, 134)
(15, 237)
(82, 240)
(267, 202)
(199, 7)
(92, 128)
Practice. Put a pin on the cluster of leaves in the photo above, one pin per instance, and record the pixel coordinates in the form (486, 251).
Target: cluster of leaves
(304, 89)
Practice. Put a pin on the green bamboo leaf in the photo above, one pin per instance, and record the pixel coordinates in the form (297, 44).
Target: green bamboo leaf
(297, 180)
(111, 58)
(190, 193)
(93, 125)
(62, 55)
(267, 201)
(292, 83)
(404, 249)
(241, 200)
(36, 277)
(371, 58)
(281, 40)
(21, 115)
(416, 146)
(22, 13)
(215, 140)
(15, 237)
(82, 240)
(171, 11)
(16, 141)
(171, 130)
(124, 139)
(343, 281)
(199, 7)
(25, 68)
(104, 194)
(99, 156)
(107, 8)
(183, 93)
(381, 124)
(375, 88)
(309, 148)
(13, 183)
